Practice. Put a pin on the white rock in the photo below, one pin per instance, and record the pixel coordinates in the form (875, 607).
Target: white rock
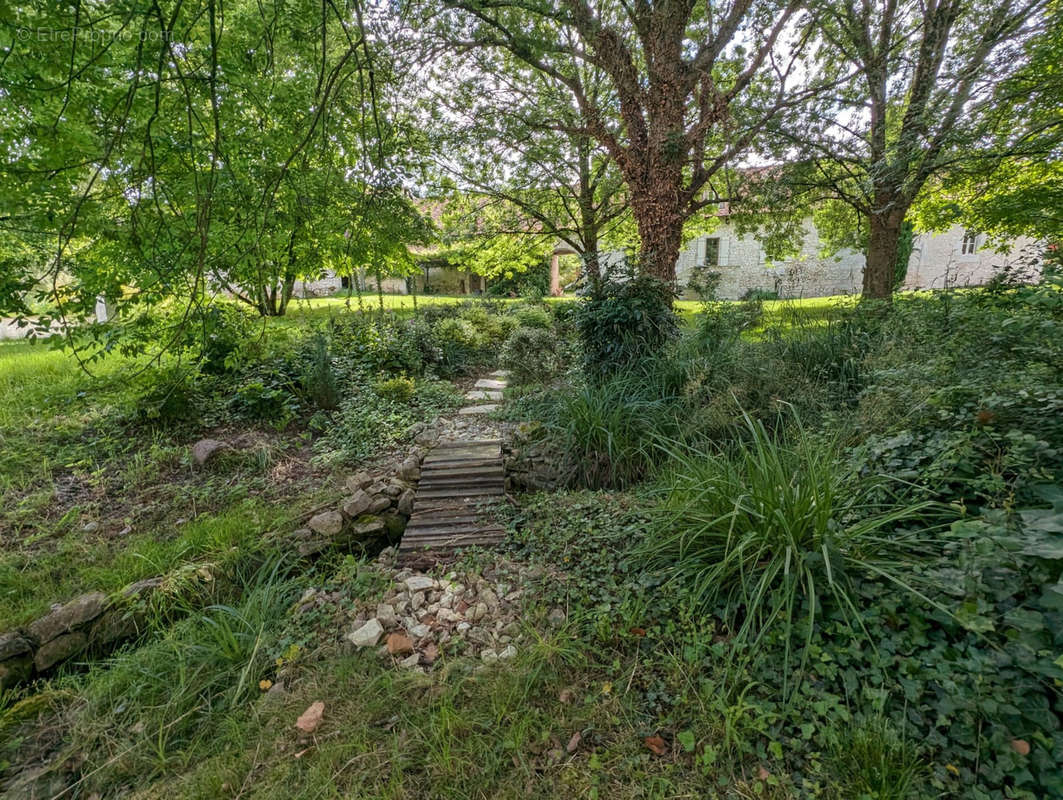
(490, 598)
(327, 523)
(419, 631)
(416, 600)
(488, 654)
(386, 614)
(509, 652)
(477, 612)
(446, 615)
(411, 661)
(367, 635)
(418, 583)
(463, 626)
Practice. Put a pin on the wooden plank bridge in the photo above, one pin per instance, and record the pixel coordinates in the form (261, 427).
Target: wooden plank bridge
(457, 478)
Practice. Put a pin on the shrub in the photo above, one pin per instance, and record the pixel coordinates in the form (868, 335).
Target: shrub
(460, 344)
(760, 295)
(531, 354)
(319, 380)
(272, 403)
(376, 344)
(171, 396)
(625, 322)
(399, 389)
(533, 316)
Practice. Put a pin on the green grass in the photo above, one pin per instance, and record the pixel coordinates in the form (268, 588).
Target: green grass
(33, 577)
(67, 462)
(47, 398)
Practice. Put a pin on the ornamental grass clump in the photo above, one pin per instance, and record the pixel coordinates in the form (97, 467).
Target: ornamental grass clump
(769, 532)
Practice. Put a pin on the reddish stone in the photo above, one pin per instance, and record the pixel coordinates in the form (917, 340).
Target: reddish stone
(399, 644)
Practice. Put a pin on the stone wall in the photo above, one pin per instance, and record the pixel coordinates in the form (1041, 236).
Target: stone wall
(374, 511)
(95, 622)
(938, 260)
(330, 284)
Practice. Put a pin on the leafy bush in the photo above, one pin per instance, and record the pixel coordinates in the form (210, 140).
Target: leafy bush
(760, 294)
(399, 389)
(460, 344)
(171, 397)
(273, 403)
(373, 345)
(531, 354)
(533, 316)
(626, 322)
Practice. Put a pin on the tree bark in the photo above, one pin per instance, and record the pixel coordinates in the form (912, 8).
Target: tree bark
(660, 224)
(555, 275)
(882, 247)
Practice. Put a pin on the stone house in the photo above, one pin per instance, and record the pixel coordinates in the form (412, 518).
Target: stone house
(431, 280)
(956, 257)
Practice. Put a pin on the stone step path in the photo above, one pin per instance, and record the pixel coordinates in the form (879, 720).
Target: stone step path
(458, 477)
(485, 394)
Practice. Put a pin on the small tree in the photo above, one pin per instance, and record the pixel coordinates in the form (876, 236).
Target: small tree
(514, 135)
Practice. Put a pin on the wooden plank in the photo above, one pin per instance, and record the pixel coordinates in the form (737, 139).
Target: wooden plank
(447, 494)
(434, 521)
(452, 463)
(486, 537)
(467, 443)
(458, 477)
(484, 447)
(457, 483)
(434, 534)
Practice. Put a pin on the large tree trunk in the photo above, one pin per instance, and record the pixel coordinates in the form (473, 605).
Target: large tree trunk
(882, 247)
(660, 224)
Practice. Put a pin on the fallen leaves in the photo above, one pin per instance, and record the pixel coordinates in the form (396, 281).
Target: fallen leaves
(573, 743)
(311, 718)
(656, 745)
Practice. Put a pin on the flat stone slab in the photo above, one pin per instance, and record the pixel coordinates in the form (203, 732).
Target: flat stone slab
(486, 408)
(499, 373)
(483, 394)
(488, 383)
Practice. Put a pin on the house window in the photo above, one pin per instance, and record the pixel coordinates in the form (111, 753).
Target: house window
(970, 243)
(712, 252)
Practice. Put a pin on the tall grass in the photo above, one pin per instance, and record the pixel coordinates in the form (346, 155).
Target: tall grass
(609, 431)
(769, 531)
(153, 709)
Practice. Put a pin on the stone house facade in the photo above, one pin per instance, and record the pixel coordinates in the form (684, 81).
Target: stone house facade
(956, 257)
